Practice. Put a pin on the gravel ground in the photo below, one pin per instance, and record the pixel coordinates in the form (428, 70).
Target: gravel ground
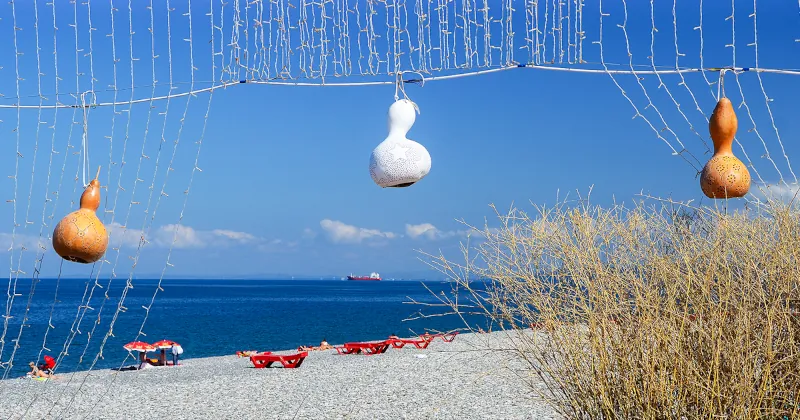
(457, 380)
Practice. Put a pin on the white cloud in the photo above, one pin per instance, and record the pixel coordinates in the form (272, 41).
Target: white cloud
(781, 192)
(343, 233)
(309, 233)
(120, 236)
(424, 229)
(30, 242)
(183, 237)
(431, 232)
(236, 236)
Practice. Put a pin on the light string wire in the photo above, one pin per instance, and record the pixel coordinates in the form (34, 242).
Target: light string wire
(67, 154)
(47, 189)
(112, 211)
(767, 99)
(69, 146)
(766, 189)
(129, 285)
(12, 275)
(661, 83)
(504, 18)
(638, 113)
(683, 83)
(74, 330)
(146, 227)
(39, 247)
(683, 150)
(170, 168)
(744, 103)
(86, 301)
(111, 163)
(283, 82)
(195, 169)
(120, 307)
(120, 188)
(145, 230)
(163, 193)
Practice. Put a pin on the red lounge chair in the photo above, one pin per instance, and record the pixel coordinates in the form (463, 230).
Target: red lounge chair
(446, 337)
(288, 361)
(368, 348)
(345, 349)
(398, 343)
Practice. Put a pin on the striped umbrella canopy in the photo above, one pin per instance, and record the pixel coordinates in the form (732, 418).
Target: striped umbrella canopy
(165, 344)
(139, 346)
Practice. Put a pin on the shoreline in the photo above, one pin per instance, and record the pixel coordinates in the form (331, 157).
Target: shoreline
(446, 380)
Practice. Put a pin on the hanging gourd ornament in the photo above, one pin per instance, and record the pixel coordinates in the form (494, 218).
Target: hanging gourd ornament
(724, 176)
(80, 236)
(398, 161)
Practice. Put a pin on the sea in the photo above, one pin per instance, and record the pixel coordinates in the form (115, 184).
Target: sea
(85, 325)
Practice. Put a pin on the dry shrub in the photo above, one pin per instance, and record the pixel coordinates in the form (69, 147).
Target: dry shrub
(653, 312)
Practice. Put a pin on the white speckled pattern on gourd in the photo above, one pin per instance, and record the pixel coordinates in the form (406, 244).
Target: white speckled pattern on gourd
(398, 161)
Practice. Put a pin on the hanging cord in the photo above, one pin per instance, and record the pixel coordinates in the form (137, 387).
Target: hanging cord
(721, 84)
(85, 139)
(399, 86)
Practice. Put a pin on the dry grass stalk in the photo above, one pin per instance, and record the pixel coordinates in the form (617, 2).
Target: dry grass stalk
(650, 312)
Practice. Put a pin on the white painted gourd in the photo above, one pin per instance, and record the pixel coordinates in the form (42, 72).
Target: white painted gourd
(398, 161)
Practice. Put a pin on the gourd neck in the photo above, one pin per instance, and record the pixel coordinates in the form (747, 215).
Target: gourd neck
(398, 132)
(90, 199)
(722, 126)
(723, 149)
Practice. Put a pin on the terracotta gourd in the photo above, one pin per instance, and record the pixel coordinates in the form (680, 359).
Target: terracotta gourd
(80, 236)
(724, 176)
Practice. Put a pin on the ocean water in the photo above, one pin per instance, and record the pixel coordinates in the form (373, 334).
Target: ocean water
(207, 317)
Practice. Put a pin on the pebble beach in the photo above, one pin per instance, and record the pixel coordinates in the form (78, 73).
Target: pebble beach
(457, 380)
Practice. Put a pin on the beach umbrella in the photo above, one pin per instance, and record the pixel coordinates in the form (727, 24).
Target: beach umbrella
(49, 361)
(139, 346)
(164, 345)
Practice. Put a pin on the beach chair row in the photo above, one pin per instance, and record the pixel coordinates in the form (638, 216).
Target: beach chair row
(290, 361)
(378, 347)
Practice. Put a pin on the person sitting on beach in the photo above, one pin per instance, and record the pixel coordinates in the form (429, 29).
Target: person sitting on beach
(324, 345)
(36, 372)
(46, 369)
(143, 360)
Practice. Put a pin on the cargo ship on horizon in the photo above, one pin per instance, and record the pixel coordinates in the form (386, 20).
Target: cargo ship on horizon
(372, 277)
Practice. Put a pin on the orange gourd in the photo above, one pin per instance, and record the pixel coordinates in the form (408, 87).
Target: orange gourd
(724, 176)
(80, 236)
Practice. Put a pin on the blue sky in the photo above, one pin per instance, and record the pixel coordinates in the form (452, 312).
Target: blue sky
(285, 186)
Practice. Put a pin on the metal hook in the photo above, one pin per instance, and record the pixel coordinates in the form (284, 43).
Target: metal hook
(400, 86)
(85, 140)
